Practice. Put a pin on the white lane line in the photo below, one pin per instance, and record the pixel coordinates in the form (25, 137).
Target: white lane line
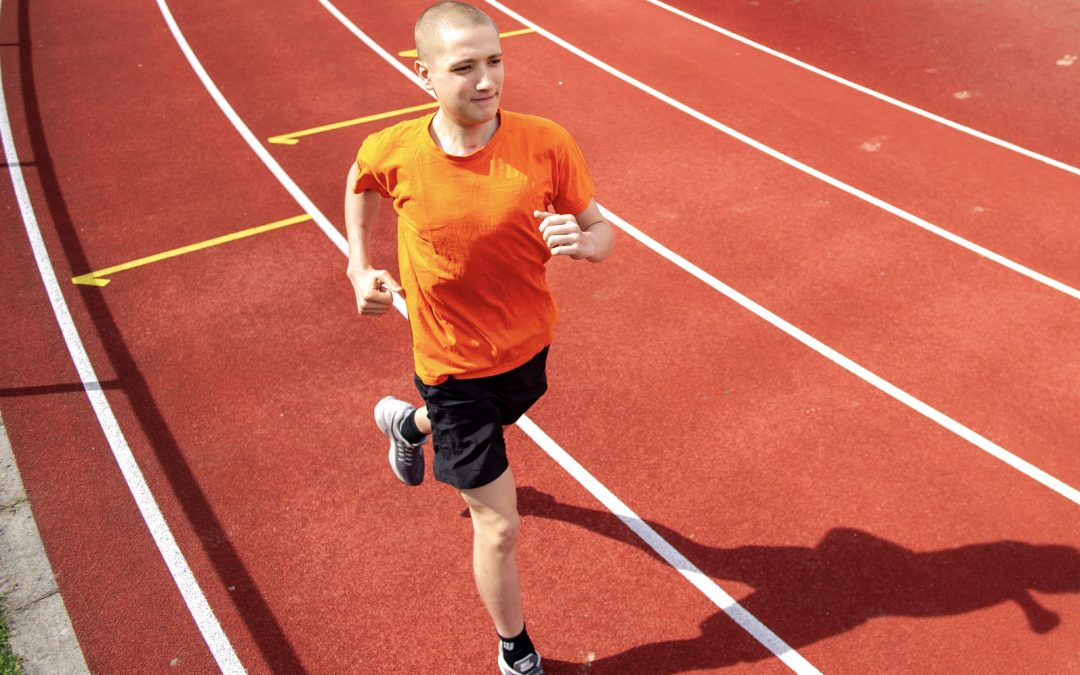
(723, 600)
(1021, 465)
(870, 92)
(267, 159)
(374, 46)
(794, 163)
(178, 566)
(760, 632)
(979, 441)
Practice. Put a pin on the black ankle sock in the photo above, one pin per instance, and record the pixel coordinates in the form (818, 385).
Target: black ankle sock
(516, 648)
(409, 431)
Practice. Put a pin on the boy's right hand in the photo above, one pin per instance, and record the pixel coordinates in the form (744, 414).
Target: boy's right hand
(373, 290)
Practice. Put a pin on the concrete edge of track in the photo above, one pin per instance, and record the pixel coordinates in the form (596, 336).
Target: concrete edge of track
(40, 631)
(631, 516)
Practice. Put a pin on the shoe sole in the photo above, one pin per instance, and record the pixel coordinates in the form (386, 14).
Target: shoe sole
(505, 669)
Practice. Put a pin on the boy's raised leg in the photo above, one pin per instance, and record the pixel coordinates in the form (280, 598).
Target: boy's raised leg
(406, 454)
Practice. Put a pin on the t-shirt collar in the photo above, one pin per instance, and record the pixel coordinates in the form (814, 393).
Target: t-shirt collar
(495, 137)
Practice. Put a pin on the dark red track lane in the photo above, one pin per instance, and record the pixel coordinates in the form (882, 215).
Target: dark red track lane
(745, 448)
(925, 52)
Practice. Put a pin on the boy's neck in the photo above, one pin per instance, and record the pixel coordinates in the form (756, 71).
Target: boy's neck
(458, 140)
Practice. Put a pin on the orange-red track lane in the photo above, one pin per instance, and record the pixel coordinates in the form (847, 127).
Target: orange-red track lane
(245, 385)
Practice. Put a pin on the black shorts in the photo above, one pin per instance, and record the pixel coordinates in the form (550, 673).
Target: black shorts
(467, 417)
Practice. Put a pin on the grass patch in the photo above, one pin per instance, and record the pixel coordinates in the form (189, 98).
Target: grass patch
(9, 663)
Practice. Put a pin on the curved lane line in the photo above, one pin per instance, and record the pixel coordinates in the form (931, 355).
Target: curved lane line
(699, 579)
(792, 162)
(302, 199)
(182, 575)
(719, 597)
(928, 411)
(1057, 164)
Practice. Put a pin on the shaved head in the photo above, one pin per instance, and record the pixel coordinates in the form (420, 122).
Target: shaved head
(445, 15)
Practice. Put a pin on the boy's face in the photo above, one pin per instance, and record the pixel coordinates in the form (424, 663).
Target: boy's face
(465, 71)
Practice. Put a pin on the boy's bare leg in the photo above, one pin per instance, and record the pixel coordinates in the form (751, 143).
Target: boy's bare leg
(421, 421)
(496, 523)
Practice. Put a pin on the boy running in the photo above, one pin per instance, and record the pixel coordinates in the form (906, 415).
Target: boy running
(484, 198)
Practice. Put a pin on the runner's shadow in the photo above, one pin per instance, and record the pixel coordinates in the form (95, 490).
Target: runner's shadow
(808, 594)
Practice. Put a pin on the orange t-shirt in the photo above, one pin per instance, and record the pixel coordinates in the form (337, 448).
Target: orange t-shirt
(470, 253)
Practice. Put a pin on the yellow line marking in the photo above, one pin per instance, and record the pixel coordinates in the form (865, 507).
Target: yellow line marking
(97, 278)
(411, 53)
(294, 137)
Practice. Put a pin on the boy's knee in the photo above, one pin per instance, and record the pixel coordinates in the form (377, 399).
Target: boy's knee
(499, 531)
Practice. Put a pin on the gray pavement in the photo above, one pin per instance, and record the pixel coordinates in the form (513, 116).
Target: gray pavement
(40, 631)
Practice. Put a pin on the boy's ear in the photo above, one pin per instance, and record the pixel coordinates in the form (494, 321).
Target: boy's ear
(424, 74)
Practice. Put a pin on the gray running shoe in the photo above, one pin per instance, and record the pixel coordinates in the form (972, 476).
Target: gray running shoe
(406, 459)
(530, 665)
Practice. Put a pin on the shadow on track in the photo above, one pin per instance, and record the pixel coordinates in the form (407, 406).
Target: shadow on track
(808, 594)
(259, 619)
(50, 389)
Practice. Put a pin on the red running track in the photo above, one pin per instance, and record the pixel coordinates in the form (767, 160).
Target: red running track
(1005, 69)
(867, 537)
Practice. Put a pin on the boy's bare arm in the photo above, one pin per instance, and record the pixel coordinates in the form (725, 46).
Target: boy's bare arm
(586, 235)
(372, 286)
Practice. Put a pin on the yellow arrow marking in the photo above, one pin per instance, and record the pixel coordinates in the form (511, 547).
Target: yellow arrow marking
(294, 137)
(411, 53)
(97, 278)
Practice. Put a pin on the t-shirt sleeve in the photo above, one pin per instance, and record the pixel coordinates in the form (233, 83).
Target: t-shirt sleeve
(574, 187)
(368, 177)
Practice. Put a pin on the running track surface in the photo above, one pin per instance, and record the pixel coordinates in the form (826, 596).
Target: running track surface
(866, 536)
